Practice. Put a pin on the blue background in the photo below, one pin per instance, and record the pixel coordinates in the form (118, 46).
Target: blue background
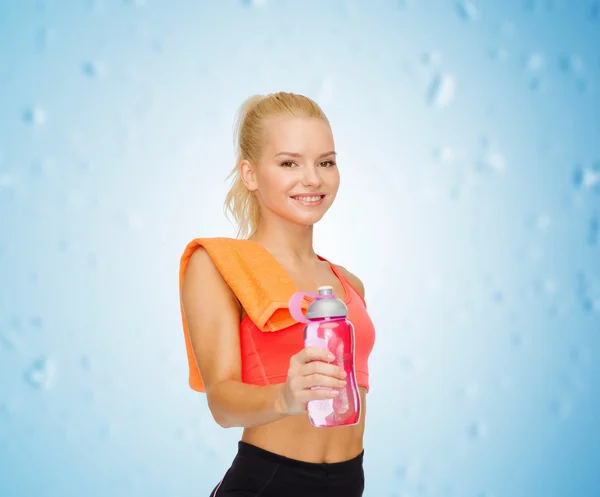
(468, 136)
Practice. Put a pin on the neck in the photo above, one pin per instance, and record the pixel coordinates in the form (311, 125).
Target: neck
(287, 242)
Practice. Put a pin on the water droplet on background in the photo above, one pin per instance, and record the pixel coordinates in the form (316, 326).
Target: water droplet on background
(255, 3)
(467, 10)
(41, 373)
(546, 286)
(444, 154)
(35, 116)
(587, 178)
(36, 322)
(431, 58)
(588, 292)
(442, 90)
(86, 363)
(542, 223)
(570, 64)
(536, 61)
(92, 69)
(498, 53)
(492, 161)
(478, 430)
(561, 407)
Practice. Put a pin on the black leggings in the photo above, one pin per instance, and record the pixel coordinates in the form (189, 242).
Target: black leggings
(256, 472)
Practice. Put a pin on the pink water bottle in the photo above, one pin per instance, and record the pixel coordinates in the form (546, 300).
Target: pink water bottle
(327, 326)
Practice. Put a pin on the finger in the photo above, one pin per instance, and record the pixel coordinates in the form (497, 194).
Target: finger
(322, 368)
(322, 393)
(315, 354)
(320, 380)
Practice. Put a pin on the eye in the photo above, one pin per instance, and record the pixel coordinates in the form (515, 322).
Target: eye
(330, 163)
(288, 163)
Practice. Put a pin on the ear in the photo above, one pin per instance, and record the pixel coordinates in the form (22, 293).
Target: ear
(248, 175)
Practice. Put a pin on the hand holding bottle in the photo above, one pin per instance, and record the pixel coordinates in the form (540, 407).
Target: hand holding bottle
(310, 368)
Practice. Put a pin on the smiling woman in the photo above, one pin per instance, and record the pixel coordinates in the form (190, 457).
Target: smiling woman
(244, 349)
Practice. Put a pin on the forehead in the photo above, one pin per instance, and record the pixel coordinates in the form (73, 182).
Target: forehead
(297, 134)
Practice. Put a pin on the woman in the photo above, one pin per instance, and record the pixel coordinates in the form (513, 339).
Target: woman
(285, 180)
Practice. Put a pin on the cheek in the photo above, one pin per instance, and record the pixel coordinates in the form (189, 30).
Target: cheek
(276, 185)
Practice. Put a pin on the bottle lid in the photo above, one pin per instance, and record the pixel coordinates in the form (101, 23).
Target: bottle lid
(328, 306)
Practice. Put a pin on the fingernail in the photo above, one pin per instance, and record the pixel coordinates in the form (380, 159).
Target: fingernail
(331, 357)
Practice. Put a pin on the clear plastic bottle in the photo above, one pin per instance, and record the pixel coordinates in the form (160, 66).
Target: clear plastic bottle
(327, 326)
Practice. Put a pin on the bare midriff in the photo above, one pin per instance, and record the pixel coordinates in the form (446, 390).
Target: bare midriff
(295, 437)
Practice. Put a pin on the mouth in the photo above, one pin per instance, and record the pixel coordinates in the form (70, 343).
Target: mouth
(309, 200)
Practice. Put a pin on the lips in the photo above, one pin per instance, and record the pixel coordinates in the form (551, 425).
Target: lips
(309, 195)
(309, 203)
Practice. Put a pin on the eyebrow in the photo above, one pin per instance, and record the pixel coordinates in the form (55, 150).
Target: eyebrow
(294, 154)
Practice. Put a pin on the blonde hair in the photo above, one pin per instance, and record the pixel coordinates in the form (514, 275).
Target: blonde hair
(240, 202)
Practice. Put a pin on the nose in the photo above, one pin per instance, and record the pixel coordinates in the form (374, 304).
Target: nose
(310, 176)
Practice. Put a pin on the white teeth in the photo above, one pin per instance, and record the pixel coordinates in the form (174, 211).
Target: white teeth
(309, 199)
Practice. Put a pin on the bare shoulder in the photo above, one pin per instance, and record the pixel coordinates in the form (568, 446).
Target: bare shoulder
(212, 313)
(353, 279)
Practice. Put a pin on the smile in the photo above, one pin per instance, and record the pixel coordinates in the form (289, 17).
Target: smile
(309, 200)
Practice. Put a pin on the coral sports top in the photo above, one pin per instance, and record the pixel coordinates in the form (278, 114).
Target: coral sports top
(269, 335)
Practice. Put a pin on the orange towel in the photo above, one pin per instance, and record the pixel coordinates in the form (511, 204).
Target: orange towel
(259, 282)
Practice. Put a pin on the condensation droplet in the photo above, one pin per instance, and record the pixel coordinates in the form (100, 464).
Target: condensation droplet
(444, 154)
(492, 161)
(442, 90)
(15, 322)
(535, 62)
(581, 356)
(587, 178)
(542, 223)
(546, 286)
(517, 338)
(35, 116)
(86, 363)
(562, 407)
(255, 3)
(498, 53)
(467, 10)
(44, 37)
(588, 292)
(571, 64)
(535, 83)
(478, 430)
(431, 58)
(8, 340)
(92, 69)
(36, 322)
(41, 373)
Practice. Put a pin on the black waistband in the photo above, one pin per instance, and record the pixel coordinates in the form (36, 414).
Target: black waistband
(349, 465)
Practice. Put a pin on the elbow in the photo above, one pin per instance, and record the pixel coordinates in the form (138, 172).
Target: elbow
(221, 419)
(218, 413)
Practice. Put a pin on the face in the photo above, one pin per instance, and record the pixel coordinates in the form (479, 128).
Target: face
(296, 176)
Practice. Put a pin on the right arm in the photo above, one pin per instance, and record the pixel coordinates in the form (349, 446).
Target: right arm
(212, 313)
